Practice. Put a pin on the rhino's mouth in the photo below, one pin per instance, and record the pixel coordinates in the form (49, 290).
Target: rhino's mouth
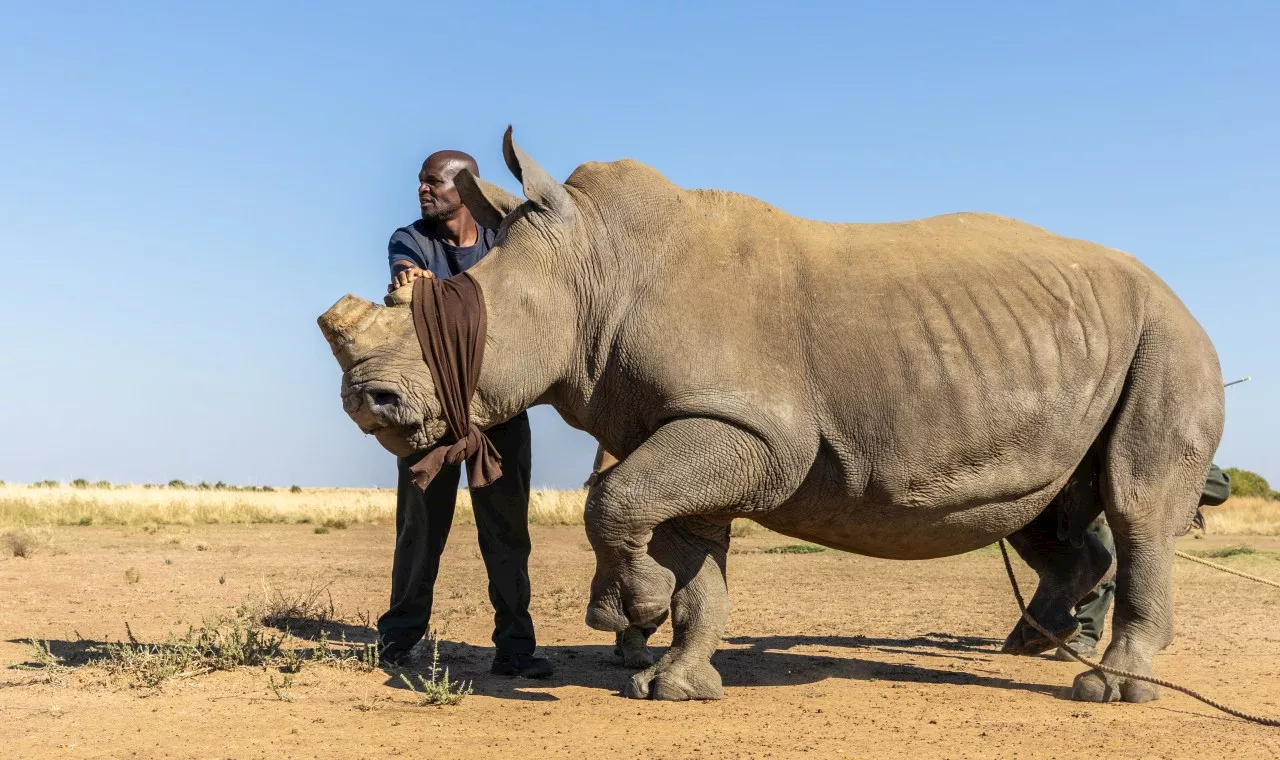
(402, 421)
(407, 440)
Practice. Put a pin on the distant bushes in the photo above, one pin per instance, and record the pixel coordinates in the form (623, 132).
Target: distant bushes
(1250, 484)
(175, 484)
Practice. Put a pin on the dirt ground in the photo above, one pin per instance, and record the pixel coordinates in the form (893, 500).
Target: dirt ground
(827, 655)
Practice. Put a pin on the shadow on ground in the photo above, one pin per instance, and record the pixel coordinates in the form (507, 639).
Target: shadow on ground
(749, 662)
(766, 661)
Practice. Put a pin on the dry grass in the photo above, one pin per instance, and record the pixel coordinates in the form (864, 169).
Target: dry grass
(1244, 517)
(23, 505)
(25, 542)
(334, 508)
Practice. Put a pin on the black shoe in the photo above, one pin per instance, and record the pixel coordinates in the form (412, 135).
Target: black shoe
(523, 665)
(395, 658)
(1084, 647)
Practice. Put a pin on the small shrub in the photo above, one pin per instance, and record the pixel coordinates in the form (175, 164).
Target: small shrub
(46, 484)
(292, 489)
(175, 483)
(335, 523)
(279, 688)
(27, 543)
(204, 486)
(795, 549)
(42, 655)
(304, 612)
(85, 520)
(268, 489)
(131, 575)
(320, 530)
(43, 659)
(102, 484)
(79, 483)
(437, 690)
(202, 546)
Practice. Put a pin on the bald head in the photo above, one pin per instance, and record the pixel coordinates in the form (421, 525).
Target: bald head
(451, 161)
(437, 196)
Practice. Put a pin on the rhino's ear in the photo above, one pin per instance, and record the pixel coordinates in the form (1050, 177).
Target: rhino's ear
(547, 194)
(487, 202)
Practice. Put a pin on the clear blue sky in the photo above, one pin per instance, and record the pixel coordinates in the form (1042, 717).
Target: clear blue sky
(183, 191)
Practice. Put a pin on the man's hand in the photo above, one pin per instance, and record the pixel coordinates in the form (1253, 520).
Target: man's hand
(404, 276)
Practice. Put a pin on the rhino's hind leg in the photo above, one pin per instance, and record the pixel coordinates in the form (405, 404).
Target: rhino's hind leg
(1165, 432)
(1143, 620)
(694, 550)
(1067, 573)
(690, 466)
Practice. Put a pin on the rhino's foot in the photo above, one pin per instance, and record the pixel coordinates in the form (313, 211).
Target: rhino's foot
(633, 650)
(641, 596)
(1092, 686)
(1026, 641)
(605, 613)
(677, 681)
(647, 588)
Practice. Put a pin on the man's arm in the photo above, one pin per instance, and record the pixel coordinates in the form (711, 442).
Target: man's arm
(405, 261)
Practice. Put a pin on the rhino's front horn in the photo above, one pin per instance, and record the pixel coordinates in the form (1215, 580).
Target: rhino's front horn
(342, 323)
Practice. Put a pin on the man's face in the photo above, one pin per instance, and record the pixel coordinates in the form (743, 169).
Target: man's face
(437, 196)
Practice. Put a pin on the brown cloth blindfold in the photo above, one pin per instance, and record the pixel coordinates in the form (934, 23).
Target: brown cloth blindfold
(449, 319)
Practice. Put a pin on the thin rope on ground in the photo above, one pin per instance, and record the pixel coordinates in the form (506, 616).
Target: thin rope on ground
(1106, 669)
(1225, 569)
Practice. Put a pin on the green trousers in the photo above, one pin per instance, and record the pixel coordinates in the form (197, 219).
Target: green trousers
(1091, 611)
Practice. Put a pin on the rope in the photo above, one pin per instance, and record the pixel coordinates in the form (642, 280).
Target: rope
(1224, 569)
(1106, 669)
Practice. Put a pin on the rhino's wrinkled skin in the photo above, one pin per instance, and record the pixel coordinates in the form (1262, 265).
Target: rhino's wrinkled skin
(906, 390)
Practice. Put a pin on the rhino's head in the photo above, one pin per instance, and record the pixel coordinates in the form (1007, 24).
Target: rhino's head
(386, 385)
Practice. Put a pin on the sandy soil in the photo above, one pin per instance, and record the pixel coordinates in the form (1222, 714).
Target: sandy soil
(827, 655)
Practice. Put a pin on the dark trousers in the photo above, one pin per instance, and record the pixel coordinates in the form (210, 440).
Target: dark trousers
(423, 519)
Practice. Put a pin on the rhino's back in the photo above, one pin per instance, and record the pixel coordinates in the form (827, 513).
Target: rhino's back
(930, 365)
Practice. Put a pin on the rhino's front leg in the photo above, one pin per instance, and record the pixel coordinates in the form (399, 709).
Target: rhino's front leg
(694, 550)
(690, 466)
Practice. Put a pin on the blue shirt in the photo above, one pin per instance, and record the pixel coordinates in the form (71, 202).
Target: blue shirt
(418, 244)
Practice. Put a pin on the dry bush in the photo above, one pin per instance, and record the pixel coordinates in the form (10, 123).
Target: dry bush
(1243, 516)
(303, 611)
(27, 542)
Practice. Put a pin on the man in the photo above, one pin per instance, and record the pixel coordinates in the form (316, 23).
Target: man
(443, 243)
(1091, 611)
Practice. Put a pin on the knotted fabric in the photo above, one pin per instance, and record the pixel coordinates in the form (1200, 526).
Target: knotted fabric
(449, 318)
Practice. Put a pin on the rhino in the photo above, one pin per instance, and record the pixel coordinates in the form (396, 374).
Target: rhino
(905, 390)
